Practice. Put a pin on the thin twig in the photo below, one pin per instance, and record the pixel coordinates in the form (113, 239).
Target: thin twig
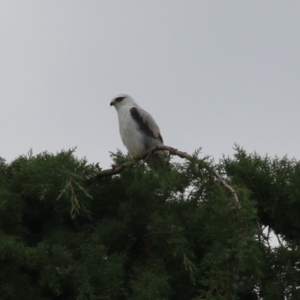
(268, 237)
(227, 186)
(118, 169)
(279, 240)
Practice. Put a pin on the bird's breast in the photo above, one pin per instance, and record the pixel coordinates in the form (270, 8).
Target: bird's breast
(132, 137)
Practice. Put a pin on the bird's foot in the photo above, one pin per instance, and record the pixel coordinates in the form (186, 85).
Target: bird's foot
(135, 157)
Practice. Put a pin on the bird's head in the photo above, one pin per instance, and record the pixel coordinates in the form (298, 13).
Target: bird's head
(122, 100)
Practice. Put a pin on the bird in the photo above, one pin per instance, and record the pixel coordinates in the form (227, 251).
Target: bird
(139, 131)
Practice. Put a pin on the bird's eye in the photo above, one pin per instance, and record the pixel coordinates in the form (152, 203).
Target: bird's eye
(119, 99)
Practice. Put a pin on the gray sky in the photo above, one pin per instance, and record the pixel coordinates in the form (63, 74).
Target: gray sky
(211, 73)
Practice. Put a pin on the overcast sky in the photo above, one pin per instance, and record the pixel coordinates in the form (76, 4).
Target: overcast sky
(211, 73)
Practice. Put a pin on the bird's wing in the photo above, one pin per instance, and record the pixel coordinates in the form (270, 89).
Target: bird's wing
(147, 126)
(151, 137)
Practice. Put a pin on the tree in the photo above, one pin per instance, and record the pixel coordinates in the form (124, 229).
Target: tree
(69, 231)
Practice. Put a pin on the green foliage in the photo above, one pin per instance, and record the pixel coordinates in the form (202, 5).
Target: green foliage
(274, 187)
(66, 233)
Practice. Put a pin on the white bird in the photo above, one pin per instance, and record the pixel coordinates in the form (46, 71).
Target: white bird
(139, 131)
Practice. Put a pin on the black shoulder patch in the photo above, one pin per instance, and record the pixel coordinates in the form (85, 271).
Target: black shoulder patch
(142, 125)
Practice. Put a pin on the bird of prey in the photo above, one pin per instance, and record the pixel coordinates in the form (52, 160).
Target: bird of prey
(139, 131)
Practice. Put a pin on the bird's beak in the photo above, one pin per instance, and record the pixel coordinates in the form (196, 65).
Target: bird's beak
(112, 103)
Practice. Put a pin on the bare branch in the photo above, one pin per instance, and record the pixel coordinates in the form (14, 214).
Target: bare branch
(115, 169)
(118, 169)
(228, 187)
(279, 240)
(268, 237)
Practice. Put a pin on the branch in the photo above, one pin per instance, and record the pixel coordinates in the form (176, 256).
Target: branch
(279, 240)
(118, 169)
(115, 169)
(228, 187)
(268, 237)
